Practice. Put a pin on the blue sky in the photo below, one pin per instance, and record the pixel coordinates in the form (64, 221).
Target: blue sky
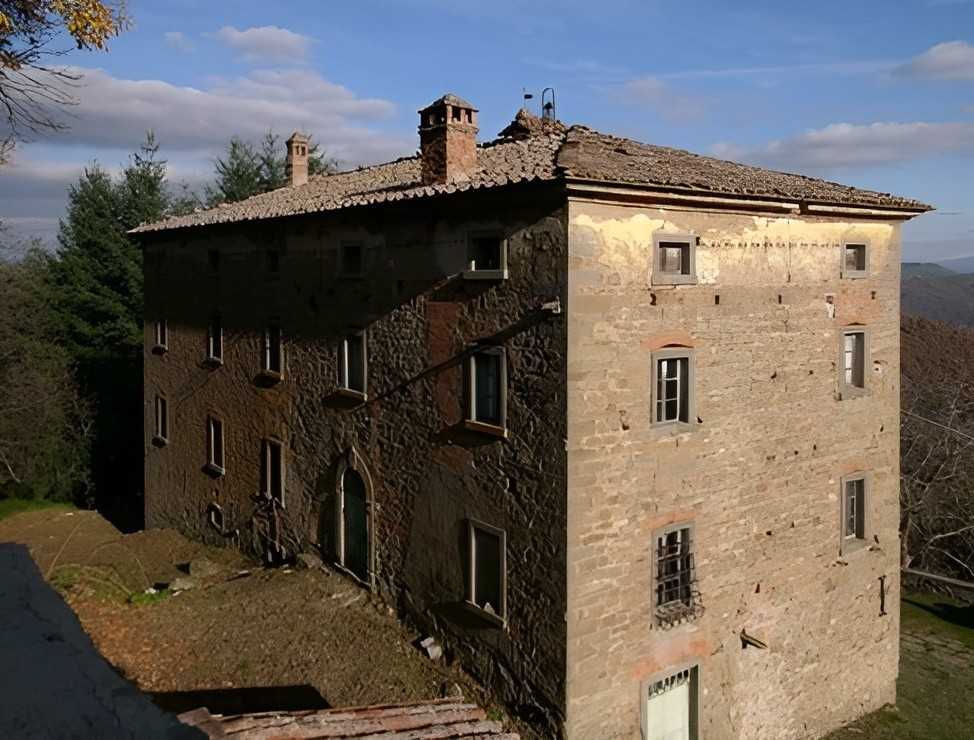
(875, 94)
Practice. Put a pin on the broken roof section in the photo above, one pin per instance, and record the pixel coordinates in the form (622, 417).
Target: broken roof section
(440, 718)
(530, 150)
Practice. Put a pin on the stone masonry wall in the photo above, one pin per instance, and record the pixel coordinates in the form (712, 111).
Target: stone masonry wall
(758, 476)
(428, 476)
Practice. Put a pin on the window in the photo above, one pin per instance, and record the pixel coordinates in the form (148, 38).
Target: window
(669, 706)
(855, 260)
(351, 263)
(272, 471)
(214, 341)
(487, 574)
(273, 355)
(353, 363)
(674, 259)
(161, 435)
(214, 446)
(162, 335)
(674, 577)
(213, 260)
(487, 390)
(854, 493)
(672, 386)
(852, 362)
(486, 257)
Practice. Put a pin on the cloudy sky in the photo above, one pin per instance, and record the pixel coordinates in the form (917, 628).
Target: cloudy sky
(876, 94)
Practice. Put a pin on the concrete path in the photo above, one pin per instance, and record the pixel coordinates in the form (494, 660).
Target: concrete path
(53, 682)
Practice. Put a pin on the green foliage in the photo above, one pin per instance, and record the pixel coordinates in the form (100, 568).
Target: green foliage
(148, 598)
(247, 169)
(11, 506)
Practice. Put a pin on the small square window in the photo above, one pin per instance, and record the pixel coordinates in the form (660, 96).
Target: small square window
(853, 362)
(272, 358)
(674, 259)
(674, 578)
(486, 257)
(272, 471)
(487, 391)
(673, 387)
(353, 363)
(214, 341)
(214, 446)
(855, 491)
(162, 335)
(855, 260)
(351, 260)
(487, 571)
(161, 435)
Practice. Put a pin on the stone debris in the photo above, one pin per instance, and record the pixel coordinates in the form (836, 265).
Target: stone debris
(431, 648)
(183, 583)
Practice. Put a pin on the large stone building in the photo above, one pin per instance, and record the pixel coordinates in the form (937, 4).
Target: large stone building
(618, 423)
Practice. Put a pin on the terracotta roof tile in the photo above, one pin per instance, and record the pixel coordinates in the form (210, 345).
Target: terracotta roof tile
(530, 152)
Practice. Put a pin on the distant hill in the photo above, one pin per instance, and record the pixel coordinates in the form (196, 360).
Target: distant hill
(946, 296)
(960, 264)
(925, 269)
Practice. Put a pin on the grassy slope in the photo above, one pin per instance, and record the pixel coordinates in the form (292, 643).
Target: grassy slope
(11, 506)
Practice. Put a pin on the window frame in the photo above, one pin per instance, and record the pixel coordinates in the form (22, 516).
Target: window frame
(849, 545)
(214, 339)
(343, 367)
(160, 433)
(498, 618)
(214, 466)
(848, 390)
(689, 610)
(343, 270)
(470, 420)
(500, 273)
(856, 274)
(267, 444)
(161, 344)
(669, 278)
(674, 353)
(694, 699)
(267, 351)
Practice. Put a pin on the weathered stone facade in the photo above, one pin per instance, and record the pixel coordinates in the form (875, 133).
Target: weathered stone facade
(758, 475)
(427, 475)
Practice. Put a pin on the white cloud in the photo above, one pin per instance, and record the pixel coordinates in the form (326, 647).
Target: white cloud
(848, 145)
(951, 60)
(654, 93)
(266, 43)
(177, 40)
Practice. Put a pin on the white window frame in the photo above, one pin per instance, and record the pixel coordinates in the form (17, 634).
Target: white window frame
(162, 336)
(214, 425)
(850, 390)
(267, 351)
(214, 340)
(343, 367)
(689, 388)
(852, 543)
(267, 445)
(690, 242)
(472, 272)
(161, 421)
(470, 418)
(855, 274)
(498, 617)
(692, 672)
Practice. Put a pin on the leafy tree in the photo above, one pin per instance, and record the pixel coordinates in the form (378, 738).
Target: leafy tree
(31, 91)
(247, 169)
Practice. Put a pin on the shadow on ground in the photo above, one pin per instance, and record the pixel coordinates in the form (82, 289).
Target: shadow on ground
(962, 616)
(53, 682)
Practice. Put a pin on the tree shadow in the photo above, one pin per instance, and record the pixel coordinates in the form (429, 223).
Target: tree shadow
(962, 616)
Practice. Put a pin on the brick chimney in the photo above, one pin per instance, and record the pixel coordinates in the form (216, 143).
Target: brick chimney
(296, 166)
(448, 140)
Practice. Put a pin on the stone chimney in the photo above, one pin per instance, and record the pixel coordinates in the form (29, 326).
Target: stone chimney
(296, 166)
(448, 140)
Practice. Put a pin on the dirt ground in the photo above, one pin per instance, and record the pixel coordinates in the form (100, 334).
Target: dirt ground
(242, 626)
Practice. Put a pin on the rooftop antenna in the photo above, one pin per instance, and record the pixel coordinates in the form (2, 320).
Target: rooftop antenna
(548, 107)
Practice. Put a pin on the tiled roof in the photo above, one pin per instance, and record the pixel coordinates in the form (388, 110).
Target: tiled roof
(532, 151)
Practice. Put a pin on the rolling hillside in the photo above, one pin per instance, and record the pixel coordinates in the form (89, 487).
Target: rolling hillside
(934, 292)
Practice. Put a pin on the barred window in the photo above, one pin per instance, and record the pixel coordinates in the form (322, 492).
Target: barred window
(675, 578)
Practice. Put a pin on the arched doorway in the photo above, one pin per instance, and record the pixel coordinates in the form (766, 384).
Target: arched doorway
(353, 524)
